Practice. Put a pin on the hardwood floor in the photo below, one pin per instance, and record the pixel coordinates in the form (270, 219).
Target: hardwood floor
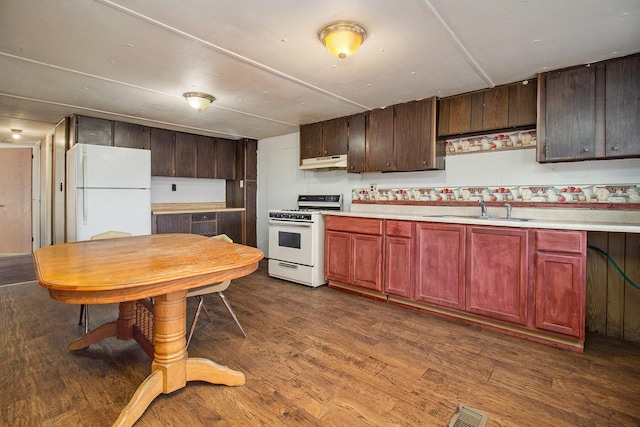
(16, 269)
(312, 357)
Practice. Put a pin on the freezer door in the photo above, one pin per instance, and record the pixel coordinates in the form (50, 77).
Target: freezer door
(99, 166)
(100, 210)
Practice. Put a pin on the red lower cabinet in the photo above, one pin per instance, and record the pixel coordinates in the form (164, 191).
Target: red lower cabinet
(497, 269)
(353, 251)
(439, 264)
(398, 251)
(560, 282)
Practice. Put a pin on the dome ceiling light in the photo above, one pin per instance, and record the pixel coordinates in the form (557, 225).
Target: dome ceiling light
(198, 100)
(342, 38)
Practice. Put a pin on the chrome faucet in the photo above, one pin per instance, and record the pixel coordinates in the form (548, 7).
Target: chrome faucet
(508, 206)
(483, 208)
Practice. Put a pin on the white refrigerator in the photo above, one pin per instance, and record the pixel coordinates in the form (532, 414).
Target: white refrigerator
(108, 189)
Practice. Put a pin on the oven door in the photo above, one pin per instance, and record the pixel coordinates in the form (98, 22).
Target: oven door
(292, 241)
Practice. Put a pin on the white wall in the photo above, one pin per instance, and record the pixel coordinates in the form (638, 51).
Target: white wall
(280, 181)
(188, 190)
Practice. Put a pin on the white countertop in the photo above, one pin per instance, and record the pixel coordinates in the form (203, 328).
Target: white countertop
(619, 221)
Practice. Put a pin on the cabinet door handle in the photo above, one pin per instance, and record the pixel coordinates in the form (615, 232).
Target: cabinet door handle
(614, 148)
(586, 150)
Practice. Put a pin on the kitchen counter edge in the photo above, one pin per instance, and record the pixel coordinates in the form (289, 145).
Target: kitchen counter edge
(531, 223)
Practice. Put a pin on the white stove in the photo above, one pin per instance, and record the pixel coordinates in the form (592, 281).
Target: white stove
(296, 239)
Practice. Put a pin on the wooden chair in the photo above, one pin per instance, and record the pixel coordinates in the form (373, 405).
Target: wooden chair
(84, 310)
(218, 288)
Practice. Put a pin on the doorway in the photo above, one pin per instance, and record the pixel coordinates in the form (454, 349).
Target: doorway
(16, 201)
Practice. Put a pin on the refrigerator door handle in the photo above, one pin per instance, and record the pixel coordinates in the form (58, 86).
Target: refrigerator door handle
(85, 204)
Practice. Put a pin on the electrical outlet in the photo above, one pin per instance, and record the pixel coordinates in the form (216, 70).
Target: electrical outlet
(173, 187)
(373, 187)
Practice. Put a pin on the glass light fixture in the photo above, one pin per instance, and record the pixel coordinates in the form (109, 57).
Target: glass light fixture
(342, 38)
(15, 133)
(198, 100)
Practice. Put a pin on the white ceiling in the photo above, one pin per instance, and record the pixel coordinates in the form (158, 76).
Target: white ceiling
(131, 60)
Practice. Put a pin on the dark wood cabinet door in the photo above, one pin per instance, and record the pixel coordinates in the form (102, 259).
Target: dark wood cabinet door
(414, 135)
(523, 104)
(131, 135)
(398, 258)
(497, 268)
(173, 223)
(568, 108)
(496, 108)
(90, 130)
(250, 208)
(379, 137)
(366, 261)
(560, 294)
(226, 158)
(335, 136)
(251, 160)
(357, 143)
(477, 111)
(230, 223)
(337, 254)
(623, 108)
(311, 145)
(206, 156)
(459, 114)
(444, 112)
(162, 152)
(186, 151)
(439, 259)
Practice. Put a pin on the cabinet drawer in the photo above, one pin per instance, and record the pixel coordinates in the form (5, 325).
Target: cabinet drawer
(560, 241)
(203, 216)
(204, 228)
(354, 225)
(399, 228)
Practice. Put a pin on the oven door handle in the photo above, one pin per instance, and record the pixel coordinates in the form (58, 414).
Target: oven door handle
(289, 224)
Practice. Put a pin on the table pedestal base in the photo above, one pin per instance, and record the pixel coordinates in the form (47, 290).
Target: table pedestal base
(171, 368)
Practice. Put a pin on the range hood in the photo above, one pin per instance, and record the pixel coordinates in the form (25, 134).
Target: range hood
(329, 162)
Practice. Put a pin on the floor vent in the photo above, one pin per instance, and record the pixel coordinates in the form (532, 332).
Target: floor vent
(467, 417)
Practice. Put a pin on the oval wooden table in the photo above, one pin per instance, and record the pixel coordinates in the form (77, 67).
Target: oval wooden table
(128, 270)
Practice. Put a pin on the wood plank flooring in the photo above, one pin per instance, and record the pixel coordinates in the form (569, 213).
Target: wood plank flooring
(312, 357)
(16, 269)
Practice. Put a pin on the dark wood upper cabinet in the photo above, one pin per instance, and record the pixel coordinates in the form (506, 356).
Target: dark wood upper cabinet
(496, 108)
(415, 136)
(226, 158)
(162, 152)
(590, 112)
(206, 156)
(310, 141)
(567, 126)
(379, 140)
(622, 108)
(186, 151)
(502, 107)
(523, 104)
(90, 130)
(328, 138)
(357, 143)
(335, 136)
(131, 135)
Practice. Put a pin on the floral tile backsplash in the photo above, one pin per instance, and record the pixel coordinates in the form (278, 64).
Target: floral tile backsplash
(493, 142)
(628, 193)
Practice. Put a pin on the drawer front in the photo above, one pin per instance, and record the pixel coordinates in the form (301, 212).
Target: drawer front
(561, 241)
(399, 228)
(203, 216)
(204, 228)
(354, 224)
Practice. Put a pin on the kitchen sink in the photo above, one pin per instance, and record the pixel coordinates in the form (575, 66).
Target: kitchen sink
(492, 218)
